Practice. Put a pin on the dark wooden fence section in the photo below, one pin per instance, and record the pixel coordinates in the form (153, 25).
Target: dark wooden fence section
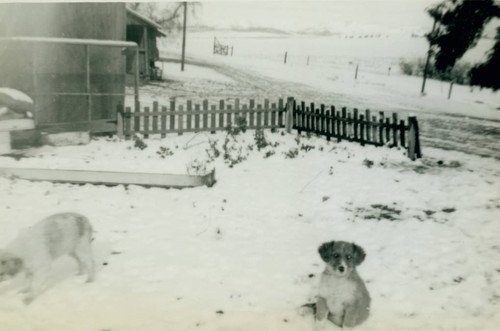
(341, 124)
(364, 127)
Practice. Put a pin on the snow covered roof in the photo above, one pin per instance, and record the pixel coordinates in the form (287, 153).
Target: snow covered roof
(15, 94)
(75, 41)
(146, 20)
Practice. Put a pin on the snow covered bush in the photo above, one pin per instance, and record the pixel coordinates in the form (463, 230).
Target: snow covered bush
(213, 152)
(234, 152)
(306, 148)
(292, 153)
(240, 126)
(163, 152)
(139, 143)
(241, 123)
(260, 139)
(458, 74)
(269, 153)
(197, 167)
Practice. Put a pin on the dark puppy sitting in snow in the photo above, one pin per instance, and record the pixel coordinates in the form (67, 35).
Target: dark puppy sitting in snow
(36, 247)
(343, 298)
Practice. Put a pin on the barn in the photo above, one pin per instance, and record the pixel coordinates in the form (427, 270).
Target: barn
(144, 32)
(70, 58)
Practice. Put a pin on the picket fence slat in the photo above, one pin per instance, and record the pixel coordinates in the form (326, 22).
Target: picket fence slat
(155, 117)
(236, 108)
(221, 114)
(213, 126)
(251, 113)
(163, 120)
(180, 123)
(205, 114)
(172, 114)
(280, 113)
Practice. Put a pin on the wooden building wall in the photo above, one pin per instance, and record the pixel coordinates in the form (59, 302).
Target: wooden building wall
(145, 36)
(62, 68)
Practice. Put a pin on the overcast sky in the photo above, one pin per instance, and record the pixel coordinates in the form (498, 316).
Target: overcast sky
(344, 16)
(335, 15)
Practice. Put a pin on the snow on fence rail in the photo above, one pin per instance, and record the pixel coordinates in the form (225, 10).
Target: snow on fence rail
(364, 128)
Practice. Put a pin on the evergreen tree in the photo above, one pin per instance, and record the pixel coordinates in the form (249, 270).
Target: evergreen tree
(488, 73)
(460, 24)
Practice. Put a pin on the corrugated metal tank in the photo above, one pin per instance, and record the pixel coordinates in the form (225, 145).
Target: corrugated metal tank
(42, 69)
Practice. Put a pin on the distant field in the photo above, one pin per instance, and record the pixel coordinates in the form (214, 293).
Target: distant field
(375, 54)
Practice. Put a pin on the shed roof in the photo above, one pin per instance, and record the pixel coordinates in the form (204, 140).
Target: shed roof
(146, 21)
(74, 41)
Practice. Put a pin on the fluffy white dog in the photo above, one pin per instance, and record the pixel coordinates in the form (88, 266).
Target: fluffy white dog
(33, 251)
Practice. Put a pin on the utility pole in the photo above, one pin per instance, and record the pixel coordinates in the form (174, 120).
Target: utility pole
(184, 36)
(429, 53)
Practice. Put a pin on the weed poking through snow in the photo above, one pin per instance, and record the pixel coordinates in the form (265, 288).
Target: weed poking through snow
(368, 163)
(292, 153)
(163, 152)
(233, 151)
(197, 167)
(238, 127)
(213, 152)
(306, 148)
(260, 139)
(269, 154)
(378, 212)
(139, 143)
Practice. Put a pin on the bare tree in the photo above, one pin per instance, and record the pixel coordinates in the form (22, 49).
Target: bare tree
(169, 15)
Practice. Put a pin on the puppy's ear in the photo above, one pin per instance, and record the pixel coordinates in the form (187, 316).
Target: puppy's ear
(359, 254)
(325, 250)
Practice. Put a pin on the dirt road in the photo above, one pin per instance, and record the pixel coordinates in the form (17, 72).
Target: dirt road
(446, 131)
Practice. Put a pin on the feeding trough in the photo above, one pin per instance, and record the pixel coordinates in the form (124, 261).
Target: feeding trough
(109, 177)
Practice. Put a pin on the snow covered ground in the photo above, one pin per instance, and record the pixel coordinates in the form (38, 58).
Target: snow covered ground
(242, 255)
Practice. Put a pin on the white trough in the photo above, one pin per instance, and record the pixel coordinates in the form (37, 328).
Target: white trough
(109, 177)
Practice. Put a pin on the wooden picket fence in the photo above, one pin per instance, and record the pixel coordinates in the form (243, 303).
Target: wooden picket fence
(364, 127)
(177, 119)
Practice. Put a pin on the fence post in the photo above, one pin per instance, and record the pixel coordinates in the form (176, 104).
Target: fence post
(127, 118)
(289, 115)
(414, 150)
(119, 122)
(286, 53)
(394, 128)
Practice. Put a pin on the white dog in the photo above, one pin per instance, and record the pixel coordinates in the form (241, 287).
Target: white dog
(33, 251)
